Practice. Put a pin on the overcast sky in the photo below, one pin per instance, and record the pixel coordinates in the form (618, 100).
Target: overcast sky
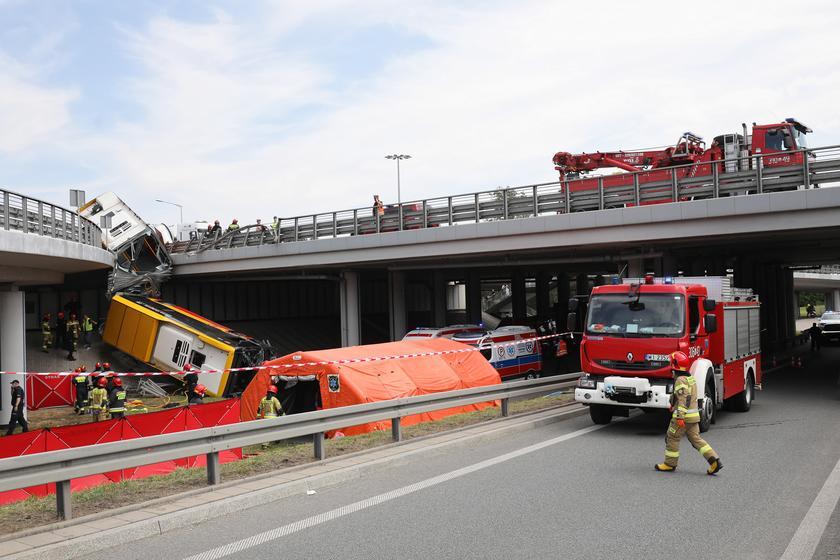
(250, 109)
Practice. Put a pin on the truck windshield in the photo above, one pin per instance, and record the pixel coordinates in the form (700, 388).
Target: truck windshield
(653, 315)
(801, 143)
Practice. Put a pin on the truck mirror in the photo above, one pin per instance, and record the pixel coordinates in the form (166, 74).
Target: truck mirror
(573, 304)
(709, 305)
(571, 321)
(710, 323)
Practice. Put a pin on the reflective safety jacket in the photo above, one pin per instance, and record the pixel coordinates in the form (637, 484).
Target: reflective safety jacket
(81, 383)
(684, 399)
(270, 408)
(116, 401)
(73, 328)
(45, 327)
(98, 399)
(87, 325)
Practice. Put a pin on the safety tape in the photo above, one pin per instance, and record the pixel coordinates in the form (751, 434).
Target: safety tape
(287, 366)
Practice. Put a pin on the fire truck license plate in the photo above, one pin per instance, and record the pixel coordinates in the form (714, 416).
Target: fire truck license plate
(657, 357)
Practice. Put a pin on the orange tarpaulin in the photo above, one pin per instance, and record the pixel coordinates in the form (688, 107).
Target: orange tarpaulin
(365, 382)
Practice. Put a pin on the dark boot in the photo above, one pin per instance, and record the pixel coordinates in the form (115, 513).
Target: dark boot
(714, 465)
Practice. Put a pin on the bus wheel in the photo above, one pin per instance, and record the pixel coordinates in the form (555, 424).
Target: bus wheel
(600, 414)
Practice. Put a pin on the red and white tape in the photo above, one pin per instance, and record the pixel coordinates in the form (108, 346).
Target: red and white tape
(288, 366)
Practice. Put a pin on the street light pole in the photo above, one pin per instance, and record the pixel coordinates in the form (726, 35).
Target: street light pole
(180, 208)
(398, 157)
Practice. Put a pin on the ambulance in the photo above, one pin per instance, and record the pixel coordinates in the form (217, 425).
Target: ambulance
(513, 350)
(444, 332)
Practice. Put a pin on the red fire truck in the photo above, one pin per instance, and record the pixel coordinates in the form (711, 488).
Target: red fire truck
(633, 326)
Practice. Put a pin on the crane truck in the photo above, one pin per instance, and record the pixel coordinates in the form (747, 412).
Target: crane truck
(633, 326)
(776, 145)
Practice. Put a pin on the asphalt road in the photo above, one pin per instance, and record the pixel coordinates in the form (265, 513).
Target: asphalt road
(563, 491)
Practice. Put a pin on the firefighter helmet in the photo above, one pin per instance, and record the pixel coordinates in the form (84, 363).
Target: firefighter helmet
(187, 367)
(98, 365)
(107, 366)
(82, 368)
(117, 382)
(679, 362)
(200, 390)
(272, 389)
(103, 382)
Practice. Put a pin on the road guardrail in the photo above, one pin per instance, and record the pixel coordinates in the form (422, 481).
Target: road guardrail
(30, 215)
(62, 466)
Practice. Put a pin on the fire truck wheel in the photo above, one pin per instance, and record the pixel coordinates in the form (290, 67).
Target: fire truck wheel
(600, 413)
(743, 400)
(707, 413)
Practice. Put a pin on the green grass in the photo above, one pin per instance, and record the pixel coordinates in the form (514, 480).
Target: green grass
(34, 512)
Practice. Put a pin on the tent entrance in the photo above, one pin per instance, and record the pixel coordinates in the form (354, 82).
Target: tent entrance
(298, 394)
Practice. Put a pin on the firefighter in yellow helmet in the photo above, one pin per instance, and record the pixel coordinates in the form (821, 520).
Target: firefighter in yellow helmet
(685, 419)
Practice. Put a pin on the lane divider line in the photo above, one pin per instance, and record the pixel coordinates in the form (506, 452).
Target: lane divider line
(807, 537)
(321, 518)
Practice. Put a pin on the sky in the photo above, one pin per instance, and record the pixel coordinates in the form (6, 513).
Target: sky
(262, 108)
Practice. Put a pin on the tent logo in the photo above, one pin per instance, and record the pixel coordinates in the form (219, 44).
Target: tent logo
(333, 383)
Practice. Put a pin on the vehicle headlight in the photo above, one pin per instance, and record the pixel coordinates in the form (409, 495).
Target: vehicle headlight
(586, 382)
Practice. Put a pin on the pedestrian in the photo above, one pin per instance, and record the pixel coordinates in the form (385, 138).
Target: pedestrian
(198, 395)
(18, 414)
(80, 382)
(116, 399)
(60, 331)
(685, 419)
(234, 225)
(88, 325)
(270, 407)
(815, 333)
(98, 407)
(46, 334)
(378, 207)
(72, 339)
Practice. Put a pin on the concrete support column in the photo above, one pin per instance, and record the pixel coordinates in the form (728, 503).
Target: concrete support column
(835, 300)
(438, 299)
(396, 300)
(12, 346)
(351, 315)
(518, 304)
(563, 295)
(474, 297)
(543, 287)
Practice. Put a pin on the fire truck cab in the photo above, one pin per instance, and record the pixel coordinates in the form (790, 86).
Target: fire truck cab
(633, 327)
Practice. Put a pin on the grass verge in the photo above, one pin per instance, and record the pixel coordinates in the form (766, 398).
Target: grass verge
(35, 512)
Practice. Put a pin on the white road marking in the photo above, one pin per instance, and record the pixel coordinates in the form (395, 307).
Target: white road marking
(810, 531)
(286, 530)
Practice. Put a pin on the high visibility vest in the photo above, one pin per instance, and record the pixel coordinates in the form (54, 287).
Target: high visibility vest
(87, 325)
(98, 398)
(233, 227)
(45, 327)
(270, 408)
(685, 399)
(275, 225)
(73, 328)
(117, 400)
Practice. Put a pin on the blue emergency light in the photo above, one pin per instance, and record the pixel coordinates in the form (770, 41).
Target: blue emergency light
(615, 280)
(668, 280)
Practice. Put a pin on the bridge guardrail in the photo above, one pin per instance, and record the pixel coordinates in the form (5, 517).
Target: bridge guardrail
(819, 167)
(62, 466)
(30, 215)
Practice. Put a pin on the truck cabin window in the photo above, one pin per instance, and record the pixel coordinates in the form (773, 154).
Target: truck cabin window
(778, 140)
(693, 315)
(648, 316)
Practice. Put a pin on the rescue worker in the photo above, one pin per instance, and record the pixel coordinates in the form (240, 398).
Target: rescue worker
(216, 229)
(18, 415)
(378, 207)
(198, 394)
(685, 419)
(275, 225)
(190, 382)
(80, 382)
(116, 399)
(72, 341)
(88, 325)
(816, 334)
(270, 407)
(46, 334)
(98, 407)
(60, 330)
(234, 225)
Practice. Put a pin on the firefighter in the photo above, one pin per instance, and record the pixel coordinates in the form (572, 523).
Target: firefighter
(198, 394)
(72, 340)
(46, 334)
(685, 419)
(270, 407)
(18, 414)
(116, 399)
(190, 382)
(98, 407)
(80, 381)
(234, 225)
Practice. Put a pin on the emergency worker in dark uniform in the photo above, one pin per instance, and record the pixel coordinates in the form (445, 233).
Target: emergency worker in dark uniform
(198, 394)
(116, 399)
(18, 415)
(685, 419)
(190, 382)
(80, 382)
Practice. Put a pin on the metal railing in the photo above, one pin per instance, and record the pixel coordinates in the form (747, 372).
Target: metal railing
(30, 215)
(720, 178)
(62, 466)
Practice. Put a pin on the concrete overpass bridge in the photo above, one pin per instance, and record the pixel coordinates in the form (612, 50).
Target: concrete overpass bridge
(433, 261)
(40, 244)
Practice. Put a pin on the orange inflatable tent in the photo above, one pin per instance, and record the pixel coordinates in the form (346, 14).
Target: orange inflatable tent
(310, 387)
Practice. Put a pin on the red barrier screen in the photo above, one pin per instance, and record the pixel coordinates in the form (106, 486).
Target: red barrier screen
(140, 425)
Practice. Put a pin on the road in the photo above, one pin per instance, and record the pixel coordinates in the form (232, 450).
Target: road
(563, 490)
